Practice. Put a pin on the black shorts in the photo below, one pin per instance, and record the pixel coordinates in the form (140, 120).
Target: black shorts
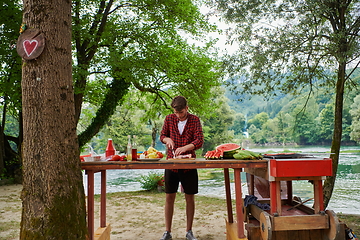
(188, 178)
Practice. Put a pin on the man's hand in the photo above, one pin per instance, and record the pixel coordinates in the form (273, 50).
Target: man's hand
(183, 149)
(169, 143)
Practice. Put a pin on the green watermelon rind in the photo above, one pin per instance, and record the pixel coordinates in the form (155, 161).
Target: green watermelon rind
(247, 155)
(229, 154)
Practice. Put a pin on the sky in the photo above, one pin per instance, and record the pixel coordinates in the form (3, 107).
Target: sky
(222, 38)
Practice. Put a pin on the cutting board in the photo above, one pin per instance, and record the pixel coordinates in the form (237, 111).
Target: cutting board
(175, 159)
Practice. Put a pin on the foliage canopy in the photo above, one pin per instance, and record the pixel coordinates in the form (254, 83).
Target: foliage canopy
(289, 45)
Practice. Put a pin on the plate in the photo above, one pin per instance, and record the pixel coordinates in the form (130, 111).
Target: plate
(175, 159)
(149, 159)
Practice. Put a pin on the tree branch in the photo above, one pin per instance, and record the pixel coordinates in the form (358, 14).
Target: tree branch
(96, 40)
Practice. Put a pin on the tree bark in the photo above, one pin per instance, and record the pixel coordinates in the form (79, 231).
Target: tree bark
(336, 142)
(53, 193)
(342, 58)
(2, 140)
(114, 97)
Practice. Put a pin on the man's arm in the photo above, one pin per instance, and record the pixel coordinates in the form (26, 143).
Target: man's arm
(165, 134)
(199, 136)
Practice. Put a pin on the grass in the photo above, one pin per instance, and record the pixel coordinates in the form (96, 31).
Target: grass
(352, 221)
(350, 151)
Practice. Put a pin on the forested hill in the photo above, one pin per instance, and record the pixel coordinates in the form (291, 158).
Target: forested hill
(250, 105)
(305, 118)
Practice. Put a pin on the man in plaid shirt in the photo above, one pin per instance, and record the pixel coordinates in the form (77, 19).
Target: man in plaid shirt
(182, 133)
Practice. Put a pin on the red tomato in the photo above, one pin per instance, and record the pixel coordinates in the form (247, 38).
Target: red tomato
(160, 155)
(123, 158)
(115, 158)
(82, 157)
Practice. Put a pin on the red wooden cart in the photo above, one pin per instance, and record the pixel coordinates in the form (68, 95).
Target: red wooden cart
(288, 217)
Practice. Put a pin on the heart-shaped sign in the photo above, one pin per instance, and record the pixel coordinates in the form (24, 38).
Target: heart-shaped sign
(30, 46)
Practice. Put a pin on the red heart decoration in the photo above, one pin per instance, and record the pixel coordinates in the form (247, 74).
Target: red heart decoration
(30, 46)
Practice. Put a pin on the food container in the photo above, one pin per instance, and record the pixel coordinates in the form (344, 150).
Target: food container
(92, 158)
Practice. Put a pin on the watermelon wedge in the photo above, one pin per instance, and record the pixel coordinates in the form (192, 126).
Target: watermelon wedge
(228, 149)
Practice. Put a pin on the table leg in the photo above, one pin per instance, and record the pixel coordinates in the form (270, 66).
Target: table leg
(103, 199)
(289, 192)
(239, 203)
(228, 195)
(273, 197)
(90, 188)
(252, 184)
(318, 196)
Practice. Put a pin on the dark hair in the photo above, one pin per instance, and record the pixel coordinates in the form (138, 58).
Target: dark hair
(179, 103)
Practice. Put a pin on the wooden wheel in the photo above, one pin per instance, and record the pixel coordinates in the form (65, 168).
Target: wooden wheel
(334, 230)
(265, 226)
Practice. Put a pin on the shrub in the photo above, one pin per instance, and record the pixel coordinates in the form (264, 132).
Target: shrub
(152, 181)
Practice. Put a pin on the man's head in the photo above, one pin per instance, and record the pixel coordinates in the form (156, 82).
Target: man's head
(179, 104)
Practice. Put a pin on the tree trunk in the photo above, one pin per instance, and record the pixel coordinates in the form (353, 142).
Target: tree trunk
(342, 57)
(2, 140)
(336, 141)
(114, 97)
(53, 193)
(2, 151)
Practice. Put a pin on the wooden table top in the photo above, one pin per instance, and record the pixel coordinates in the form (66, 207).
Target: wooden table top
(174, 164)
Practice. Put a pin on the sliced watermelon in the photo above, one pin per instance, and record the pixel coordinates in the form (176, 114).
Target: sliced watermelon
(212, 155)
(219, 154)
(209, 154)
(228, 149)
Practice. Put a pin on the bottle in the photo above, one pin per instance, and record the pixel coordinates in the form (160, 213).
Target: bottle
(129, 149)
(110, 150)
(134, 149)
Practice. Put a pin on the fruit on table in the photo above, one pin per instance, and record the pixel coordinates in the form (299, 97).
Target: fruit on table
(115, 158)
(82, 157)
(225, 151)
(228, 149)
(151, 150)
(118, 158)
(246, 155)
(160, 154)
(214, 154)
(153, 153)
(240, 154)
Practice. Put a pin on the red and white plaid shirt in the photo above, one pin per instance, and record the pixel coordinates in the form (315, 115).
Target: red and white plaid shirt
(192, 133)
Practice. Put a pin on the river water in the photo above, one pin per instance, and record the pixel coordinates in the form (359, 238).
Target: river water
(345, 198)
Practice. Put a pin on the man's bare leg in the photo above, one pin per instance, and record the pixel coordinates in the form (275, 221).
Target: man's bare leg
(169, 210)
(190, 210)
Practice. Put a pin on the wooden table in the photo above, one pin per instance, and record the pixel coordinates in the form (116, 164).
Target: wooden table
(101, 166)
